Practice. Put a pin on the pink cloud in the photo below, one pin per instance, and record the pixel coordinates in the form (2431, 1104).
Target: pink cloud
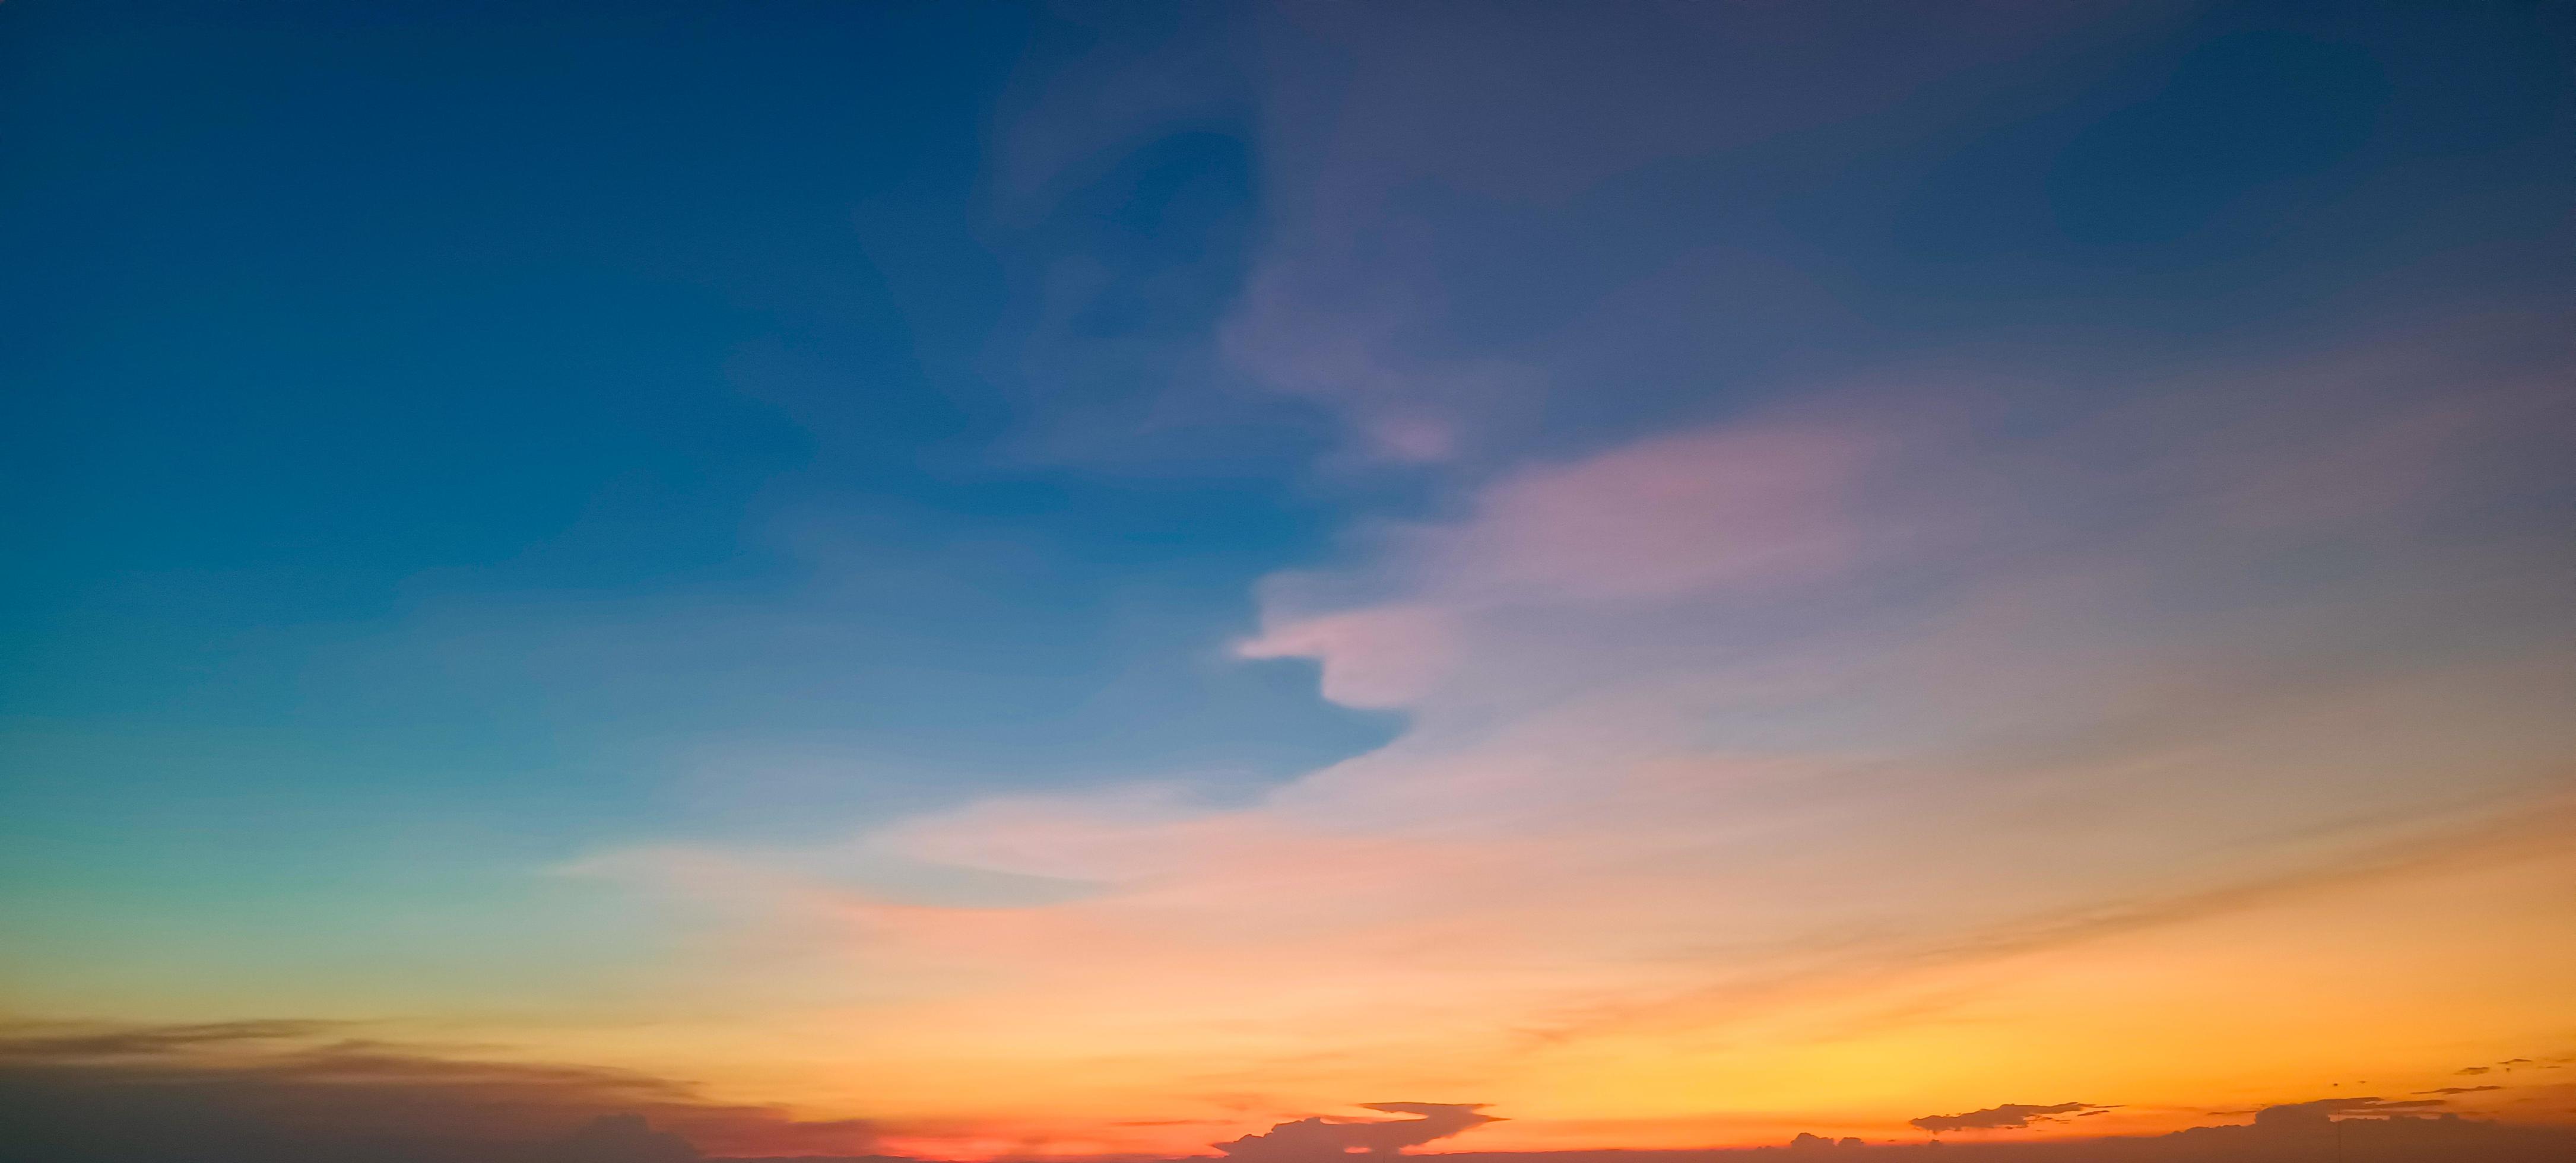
(1382, 657)
(1730, 506)
(1725, 511)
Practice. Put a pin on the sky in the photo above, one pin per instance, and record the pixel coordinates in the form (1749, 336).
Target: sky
(980, 580)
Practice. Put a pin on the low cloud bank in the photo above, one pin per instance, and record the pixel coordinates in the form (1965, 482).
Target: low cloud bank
(1325, 1136)
(2007, 1115)
(2294, 1133)
(305, 1092)
(309, 1092)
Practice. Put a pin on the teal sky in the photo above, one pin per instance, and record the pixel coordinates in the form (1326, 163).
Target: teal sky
(455, 447)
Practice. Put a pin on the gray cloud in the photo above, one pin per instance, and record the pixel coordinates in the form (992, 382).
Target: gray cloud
(2392, 1136)
(2008, 1115)
(1325, 1135)
(80, 1040)
(2321, 1110)
(303, 1092)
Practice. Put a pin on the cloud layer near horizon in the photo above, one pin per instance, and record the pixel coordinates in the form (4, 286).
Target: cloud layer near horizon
(2007, 1115)
(308, 1092)
(1322, 1137)
(291, 1091)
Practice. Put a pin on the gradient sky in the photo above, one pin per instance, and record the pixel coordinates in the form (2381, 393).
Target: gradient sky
(970, 579)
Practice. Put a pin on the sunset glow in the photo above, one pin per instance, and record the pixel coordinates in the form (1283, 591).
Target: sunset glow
(634, 583)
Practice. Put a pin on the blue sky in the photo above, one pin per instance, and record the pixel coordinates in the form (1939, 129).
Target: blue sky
(366, 339)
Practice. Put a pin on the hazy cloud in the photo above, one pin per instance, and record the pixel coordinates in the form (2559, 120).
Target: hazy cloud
(278, 1092)
(2322, 1109)
(2007, 1115)
(1328, 1135)
(77, 1040)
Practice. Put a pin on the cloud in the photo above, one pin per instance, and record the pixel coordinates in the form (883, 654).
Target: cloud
(2320, 1110)
(1729, 506)
(79, 1040)
(623, 1138)
(2006, 1116)
(294, 1091)
(1736, 505)
(1383, 657)
(1357, 298)
(278, 1092)
(1328, 1135)
(2458, 1089)
(1744, 513)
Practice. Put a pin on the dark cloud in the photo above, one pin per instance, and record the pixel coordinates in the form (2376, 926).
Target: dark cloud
(2010, 1114)
(291, 1092)
(153, 1096)
(2475, 1069)
(2389, 1137)
(1325, 1135)
(624, 1138)
(88, 1041)
(2323, 1109)
(2458, 1089)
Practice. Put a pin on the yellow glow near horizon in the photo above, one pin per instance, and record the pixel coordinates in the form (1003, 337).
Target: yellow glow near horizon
(2383, 983)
